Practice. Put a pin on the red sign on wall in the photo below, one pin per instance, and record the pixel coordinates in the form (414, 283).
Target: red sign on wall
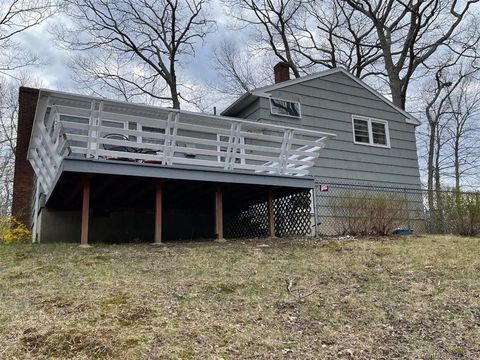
(323, 187)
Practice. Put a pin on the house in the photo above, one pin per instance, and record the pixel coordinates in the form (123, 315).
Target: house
(97, 170)
(375, 146)
(375, 142)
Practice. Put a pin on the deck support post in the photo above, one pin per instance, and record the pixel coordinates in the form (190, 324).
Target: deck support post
(158, 213)
(85, 211)
(271, 214)
(219, 214)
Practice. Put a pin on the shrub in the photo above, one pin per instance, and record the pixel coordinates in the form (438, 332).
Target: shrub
(367, 214)
(13, 231)
(461, 212)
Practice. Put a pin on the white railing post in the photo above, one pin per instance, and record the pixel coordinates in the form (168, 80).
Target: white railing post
(49, 121)
(57, 125)
(90, 129)
(166, 143)
(231, 137)
(61, 141)
(35, 210)
(98, 132)
(173, 139)
(170, 138)
(233, 140)
(236, 141)
(285, 148)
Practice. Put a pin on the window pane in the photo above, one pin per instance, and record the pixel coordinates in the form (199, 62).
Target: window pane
(361, 131)
(379, 133)
(282, 107)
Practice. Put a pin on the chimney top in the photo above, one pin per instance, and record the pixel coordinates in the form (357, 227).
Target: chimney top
(282, 72)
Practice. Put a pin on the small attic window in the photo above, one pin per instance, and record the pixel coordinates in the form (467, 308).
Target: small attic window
(285, 108)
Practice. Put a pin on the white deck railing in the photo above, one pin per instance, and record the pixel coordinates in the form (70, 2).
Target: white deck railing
(101, 129)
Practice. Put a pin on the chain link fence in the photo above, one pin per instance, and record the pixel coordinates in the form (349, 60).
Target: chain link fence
(346, 209)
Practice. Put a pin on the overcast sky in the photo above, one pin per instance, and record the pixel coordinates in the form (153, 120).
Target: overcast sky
(55, 73)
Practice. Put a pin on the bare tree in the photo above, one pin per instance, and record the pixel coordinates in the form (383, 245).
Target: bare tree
(17, 16)
(135, 46)
(450, 75)
(390, 38)
(8, 133)
(435, 111)
(239, 72)
(276, 24)
(334, 35)
(463, 127)
(410, 32)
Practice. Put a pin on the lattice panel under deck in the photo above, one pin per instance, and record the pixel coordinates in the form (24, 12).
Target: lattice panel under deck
(292, 214)
(252, 222)
(292, 217)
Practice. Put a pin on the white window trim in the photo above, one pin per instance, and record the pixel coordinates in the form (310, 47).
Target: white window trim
(242, 150)
(369, 121)
(285, 115)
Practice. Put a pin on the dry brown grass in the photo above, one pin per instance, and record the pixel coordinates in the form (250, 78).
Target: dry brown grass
(365, 299)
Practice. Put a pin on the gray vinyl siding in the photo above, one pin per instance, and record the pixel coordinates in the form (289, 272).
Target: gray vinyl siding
(251, 112)
(327, 104)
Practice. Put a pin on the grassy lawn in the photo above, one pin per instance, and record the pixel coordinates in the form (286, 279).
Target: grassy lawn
(409, 298)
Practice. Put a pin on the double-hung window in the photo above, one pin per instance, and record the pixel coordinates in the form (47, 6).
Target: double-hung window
(368, 131)
(223, 148)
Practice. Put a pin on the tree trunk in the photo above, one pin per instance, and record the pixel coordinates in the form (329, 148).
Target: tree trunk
(430, 166)
(456, 162)
(438, 186)
(174, 94)
(398, 92)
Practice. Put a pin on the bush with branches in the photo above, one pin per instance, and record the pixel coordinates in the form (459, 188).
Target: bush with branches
(460, 212)
(12, 231)
(363, 214)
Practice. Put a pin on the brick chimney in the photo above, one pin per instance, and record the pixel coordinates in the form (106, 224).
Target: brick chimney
(23, 176)
(282, 72)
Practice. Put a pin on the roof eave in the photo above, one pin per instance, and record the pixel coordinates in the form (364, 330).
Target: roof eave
(239, 104)
(412, 120)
